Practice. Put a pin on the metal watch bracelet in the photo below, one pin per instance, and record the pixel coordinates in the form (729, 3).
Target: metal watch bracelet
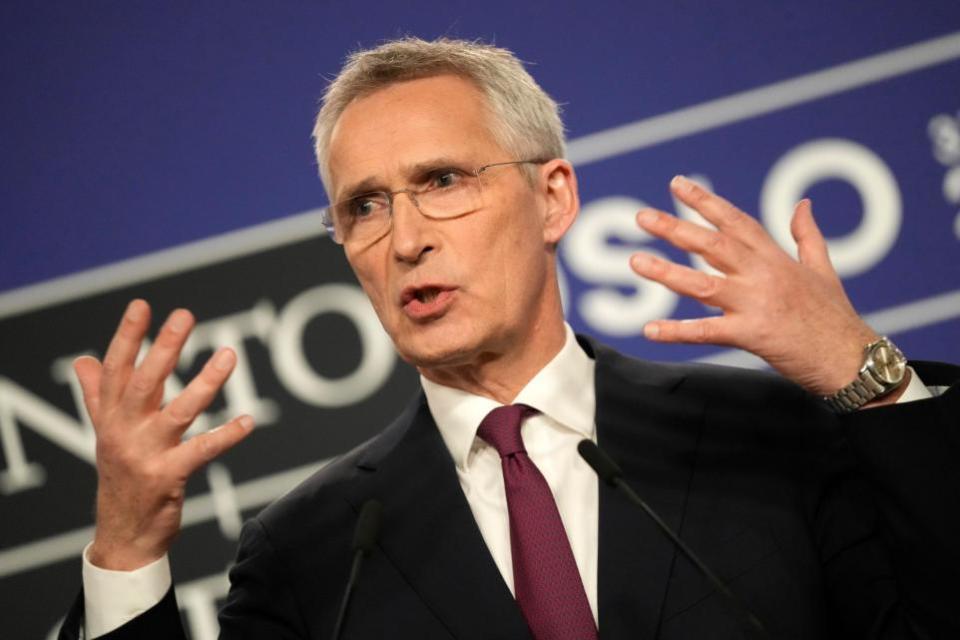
(881, 372)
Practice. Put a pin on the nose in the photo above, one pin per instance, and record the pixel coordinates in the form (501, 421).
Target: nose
(411, 234)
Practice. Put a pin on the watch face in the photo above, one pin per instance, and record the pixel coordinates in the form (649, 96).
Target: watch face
(889, 364)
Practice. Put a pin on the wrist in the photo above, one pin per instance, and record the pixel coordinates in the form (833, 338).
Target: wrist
(882, 375)
(118, 557)
(848, 363)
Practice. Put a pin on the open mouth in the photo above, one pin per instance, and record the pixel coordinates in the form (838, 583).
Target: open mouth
(427, 294)
(426, 301)
(424, 295)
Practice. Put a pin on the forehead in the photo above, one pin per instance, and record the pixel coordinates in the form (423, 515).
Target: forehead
(408, 123)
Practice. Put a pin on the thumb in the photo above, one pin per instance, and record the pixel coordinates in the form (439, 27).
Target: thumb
(811, 246)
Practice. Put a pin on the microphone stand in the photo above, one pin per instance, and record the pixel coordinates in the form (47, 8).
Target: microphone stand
(364, 537)
(610, 472)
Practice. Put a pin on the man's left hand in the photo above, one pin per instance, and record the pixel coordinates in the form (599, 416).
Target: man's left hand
(792, 313)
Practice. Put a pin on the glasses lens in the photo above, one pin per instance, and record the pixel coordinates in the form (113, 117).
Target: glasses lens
(454, 195)
(365, 218)
(361, 217)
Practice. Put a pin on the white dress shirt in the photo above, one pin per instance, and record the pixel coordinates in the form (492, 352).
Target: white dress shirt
(113, 598)
(563, 392)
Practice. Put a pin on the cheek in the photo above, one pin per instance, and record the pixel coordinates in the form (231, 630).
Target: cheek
(513, 259)
(374, 282)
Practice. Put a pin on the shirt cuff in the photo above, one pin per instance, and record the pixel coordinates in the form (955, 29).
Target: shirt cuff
(113, 598)
(915, 390)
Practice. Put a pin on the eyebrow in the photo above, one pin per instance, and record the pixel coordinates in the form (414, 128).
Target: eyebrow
(372, 183)
(367, 185)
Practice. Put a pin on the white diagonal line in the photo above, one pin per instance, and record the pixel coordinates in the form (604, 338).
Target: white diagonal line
(252, 493)
(166, 262)
(763, 100)
(583, 150)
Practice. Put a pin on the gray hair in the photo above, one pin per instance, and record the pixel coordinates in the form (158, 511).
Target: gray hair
(526, 121)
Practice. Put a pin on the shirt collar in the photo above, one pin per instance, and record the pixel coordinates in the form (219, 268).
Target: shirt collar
(562, 390)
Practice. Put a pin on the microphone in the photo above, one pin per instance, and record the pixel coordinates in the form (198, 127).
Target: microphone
(364, 537)
(608, 471)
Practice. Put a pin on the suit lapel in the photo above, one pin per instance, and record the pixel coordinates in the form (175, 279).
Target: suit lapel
(430, 535)
(652, 435)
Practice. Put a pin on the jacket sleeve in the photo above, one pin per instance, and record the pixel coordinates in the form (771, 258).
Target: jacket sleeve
(899, 574)
(161, 622)
(261, 603)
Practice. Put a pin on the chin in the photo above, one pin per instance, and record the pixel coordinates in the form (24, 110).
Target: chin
(428, 347)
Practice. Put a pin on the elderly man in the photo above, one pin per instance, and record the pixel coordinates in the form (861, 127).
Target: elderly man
(444, 161)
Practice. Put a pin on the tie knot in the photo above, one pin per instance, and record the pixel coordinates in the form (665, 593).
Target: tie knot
(501, 428)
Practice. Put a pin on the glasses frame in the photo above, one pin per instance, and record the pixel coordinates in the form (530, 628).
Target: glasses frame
(326, 214)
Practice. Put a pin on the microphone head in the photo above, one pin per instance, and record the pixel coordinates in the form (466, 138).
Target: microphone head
(368, 526)
(605, 467)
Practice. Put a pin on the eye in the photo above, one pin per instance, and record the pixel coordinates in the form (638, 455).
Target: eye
(446, 178)
(365, 206)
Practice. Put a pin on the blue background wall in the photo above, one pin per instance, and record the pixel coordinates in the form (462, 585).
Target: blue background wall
(132, 127)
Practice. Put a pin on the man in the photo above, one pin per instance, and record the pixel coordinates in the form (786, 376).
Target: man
(444, 162)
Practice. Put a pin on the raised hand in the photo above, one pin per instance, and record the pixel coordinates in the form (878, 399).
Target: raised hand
(142, 463)
(792, 313)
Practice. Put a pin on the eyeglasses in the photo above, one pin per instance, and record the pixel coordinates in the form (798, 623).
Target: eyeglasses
(447, 192)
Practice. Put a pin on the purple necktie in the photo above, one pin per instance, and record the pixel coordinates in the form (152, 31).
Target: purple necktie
(545, 576)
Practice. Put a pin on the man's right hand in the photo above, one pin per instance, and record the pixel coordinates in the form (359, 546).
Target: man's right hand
(142, 462)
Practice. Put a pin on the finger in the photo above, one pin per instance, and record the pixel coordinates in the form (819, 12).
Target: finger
(122, 353)
(88, 370)
(688, 282)
(719, 250)
(145, 389)
(811, 246)
(720, 212)
(202, 448)
(699, 331)
(197, 396)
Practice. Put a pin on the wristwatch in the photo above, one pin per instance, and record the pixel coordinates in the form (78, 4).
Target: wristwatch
(884, 369)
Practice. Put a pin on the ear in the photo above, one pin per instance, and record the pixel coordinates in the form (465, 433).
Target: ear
(559, 188)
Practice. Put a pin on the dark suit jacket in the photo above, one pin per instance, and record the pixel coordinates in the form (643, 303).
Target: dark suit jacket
(826, 528)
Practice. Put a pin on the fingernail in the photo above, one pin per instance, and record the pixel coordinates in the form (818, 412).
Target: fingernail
(178, 320)
(651, 330)
(135, 310)
(647, 217)
(246, 422)
(224, 359)
(680, 182)
(638, 261)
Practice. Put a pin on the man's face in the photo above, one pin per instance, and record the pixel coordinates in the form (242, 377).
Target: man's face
(452, 291)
